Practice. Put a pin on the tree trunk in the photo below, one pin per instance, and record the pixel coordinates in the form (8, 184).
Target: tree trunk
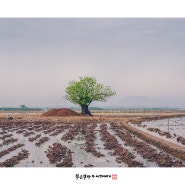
(85, 110)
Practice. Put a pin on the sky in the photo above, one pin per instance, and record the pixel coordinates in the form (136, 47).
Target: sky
(136, 57)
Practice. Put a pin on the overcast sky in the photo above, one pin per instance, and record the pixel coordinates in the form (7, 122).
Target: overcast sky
(136, 57)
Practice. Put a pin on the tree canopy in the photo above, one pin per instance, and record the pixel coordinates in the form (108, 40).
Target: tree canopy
(87, 90)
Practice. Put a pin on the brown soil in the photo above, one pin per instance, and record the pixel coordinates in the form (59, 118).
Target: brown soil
(43, 123)
(61, 112)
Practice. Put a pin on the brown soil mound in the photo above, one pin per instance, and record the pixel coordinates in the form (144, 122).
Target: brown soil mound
(61, 112)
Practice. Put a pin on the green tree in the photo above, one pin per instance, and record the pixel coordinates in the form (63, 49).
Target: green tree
(87, 90)
(23, 107)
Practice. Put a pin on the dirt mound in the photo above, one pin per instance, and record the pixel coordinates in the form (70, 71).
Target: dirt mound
(61, 112)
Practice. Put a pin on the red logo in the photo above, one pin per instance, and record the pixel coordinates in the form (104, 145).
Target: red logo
(114, 176)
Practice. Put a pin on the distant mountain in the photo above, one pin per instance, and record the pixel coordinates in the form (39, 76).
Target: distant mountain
(144, 101)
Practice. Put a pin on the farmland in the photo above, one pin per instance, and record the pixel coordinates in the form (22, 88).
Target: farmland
(33, 140)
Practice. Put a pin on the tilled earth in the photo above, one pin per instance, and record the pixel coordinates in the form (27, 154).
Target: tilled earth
(80, 144)
(172, 130)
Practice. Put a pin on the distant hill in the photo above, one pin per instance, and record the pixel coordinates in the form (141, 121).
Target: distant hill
(144, 101)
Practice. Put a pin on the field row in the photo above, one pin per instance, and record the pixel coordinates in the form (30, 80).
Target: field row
(172, 130)
(82, 144)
